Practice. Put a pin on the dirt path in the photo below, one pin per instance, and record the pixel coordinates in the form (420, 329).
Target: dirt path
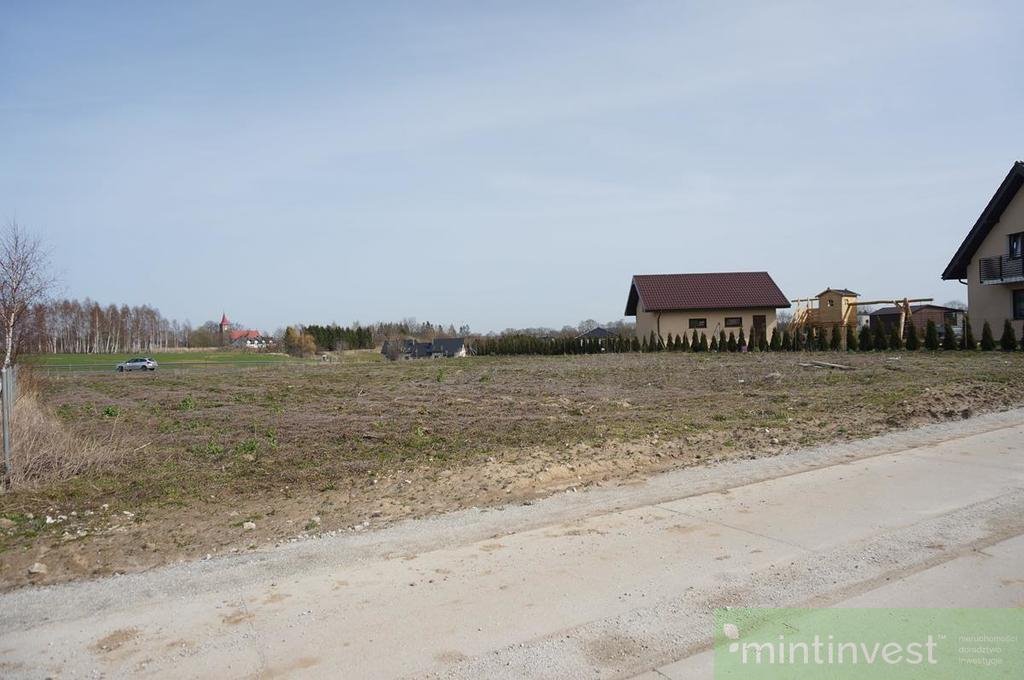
(598, 583)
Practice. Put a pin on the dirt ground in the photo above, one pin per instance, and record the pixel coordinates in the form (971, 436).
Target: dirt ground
(224, 460)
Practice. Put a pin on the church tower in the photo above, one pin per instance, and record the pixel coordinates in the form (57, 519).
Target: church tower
(224, 325)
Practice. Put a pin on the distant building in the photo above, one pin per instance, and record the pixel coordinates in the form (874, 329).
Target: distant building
(437, 348)
(448, 347)
(245, 339)
(679, 304)
(596, 333)
(920, 315)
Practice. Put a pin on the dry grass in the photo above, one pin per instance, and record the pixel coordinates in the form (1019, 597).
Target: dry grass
(47, 452)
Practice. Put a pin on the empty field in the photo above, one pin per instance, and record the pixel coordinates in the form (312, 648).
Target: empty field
(302, 447)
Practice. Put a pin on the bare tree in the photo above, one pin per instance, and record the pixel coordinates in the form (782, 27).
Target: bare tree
(25, 279)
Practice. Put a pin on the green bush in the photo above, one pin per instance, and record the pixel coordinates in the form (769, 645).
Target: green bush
(878, 339)
(776, 343)
(821, 340)
(714, 343)
(1008, 341)
(913, 344)
(949, 339)
(988, 343)
(836, 341)
(787, 342)
(851, 340)
(864, 342)
(895, 339)
(931, 336)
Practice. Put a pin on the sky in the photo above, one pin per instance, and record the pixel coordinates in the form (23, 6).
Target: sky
(498, 164)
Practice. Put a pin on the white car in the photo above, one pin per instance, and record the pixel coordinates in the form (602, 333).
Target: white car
(140, 364)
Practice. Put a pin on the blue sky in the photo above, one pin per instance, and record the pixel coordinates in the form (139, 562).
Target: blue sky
(498, 164)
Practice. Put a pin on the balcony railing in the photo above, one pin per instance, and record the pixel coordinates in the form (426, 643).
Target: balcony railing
(1001, 269)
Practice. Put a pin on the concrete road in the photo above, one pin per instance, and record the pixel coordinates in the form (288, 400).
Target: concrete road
(607, 583)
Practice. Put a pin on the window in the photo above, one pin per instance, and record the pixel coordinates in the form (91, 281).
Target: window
(698, 323)
(831, 302)
(1018, 304)
(733, 321)
(1016, 248)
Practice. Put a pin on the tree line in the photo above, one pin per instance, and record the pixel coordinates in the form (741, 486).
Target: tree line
(334, 337)
(86, 326)
(800, 339)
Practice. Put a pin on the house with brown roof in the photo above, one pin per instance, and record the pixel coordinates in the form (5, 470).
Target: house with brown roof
(679, 304)
(991, 258)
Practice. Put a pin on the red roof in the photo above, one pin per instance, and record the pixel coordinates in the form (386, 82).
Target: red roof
(238, 335)
(717, 290)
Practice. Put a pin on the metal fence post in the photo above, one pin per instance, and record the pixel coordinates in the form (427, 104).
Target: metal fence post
(6, 397)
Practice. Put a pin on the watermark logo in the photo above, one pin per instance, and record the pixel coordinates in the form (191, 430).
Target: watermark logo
(869, 643)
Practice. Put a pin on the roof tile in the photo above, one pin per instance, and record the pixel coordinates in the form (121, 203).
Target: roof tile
(717, 290)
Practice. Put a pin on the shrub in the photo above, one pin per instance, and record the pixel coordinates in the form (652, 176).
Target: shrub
(703, 343)
(762, 342)
(787, 341)
(967, 341)
(988, 343)
(731, 343)
(822, 340)
(864, 342)
(949, 339)
(931, 336)
(836, 342)
(878, 339)
(895, 338)
(1008, 341)
(714, 343)
(913, 344)
(851, 339)
(722, 342)
(653, 343)
(741, 341)
(679, 343)
(776, 344)
(694, 342)
(298, 343)
(685, 343)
